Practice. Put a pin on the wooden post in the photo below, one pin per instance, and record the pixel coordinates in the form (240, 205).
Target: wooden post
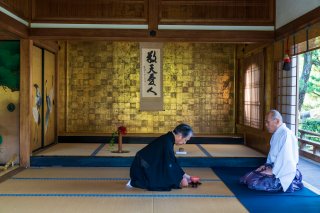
(25, 101)
(119, 142)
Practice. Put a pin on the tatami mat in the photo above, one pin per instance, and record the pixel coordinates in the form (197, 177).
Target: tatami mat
(118, 205)
(228, 150)
(70, 149)
(101, 172)
(195, 205)
(193, 150)
(132, 148)
(66, 172)
(103, 189)
(29, 204)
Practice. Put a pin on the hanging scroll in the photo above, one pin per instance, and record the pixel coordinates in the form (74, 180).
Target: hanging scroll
(151, 96)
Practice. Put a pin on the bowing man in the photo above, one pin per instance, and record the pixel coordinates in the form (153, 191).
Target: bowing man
(280, 172)
(156, 168)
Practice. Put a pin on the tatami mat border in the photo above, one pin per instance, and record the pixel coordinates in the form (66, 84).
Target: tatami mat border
(204, 150)
(101, 179)
(122, 195)
(98, 149)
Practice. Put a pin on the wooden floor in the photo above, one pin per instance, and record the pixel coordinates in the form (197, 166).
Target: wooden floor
(104, 190)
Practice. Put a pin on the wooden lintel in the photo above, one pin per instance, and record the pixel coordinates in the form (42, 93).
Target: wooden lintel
(161, 35)
(47, 44)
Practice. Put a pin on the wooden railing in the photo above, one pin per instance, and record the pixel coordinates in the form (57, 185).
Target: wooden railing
(308, 147)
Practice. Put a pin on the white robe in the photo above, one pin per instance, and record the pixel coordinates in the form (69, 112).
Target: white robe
(284, 155)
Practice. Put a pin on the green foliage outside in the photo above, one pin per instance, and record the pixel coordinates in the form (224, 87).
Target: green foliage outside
(314, 86)
(312, 125)
(10, 65)
(311, 101)
(312, 92)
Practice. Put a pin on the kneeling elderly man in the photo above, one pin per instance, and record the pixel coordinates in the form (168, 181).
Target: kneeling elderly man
(280, 172)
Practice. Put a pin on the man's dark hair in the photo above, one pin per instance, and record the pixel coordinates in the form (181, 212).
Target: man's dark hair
(184, 129)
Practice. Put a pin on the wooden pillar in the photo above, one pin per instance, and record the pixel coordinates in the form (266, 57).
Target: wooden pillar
(153, 15)
(25, 101)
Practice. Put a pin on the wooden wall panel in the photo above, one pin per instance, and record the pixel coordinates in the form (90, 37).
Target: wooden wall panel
(84, 11)
(19, 7)
(241, 12)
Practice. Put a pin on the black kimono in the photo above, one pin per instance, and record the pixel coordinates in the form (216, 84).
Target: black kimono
(155, 167)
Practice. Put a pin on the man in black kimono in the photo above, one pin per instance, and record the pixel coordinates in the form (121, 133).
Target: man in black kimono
(156, 168)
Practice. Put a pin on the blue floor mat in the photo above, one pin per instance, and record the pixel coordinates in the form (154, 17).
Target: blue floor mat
(259, 201)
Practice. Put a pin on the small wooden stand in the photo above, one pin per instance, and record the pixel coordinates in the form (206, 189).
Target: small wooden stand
(120, 145)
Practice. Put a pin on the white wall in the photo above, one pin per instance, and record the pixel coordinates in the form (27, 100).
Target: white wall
(289, 10)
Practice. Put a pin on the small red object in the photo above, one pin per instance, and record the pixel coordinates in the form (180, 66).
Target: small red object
(286, 58)
(122, 130)
(195, 179)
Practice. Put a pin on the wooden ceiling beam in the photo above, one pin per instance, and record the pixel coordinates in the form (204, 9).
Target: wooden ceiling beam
(153, 14)
(144, 35)
(13, 27)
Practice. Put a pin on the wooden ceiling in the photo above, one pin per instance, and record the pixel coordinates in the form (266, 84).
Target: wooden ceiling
(152, 14)
(213, 12)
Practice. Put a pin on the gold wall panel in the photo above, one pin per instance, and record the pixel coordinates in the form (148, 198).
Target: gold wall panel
(103, 88)
(49, 95)
(37, 96)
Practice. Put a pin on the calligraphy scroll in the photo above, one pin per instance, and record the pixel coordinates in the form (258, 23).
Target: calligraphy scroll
(151, 95)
